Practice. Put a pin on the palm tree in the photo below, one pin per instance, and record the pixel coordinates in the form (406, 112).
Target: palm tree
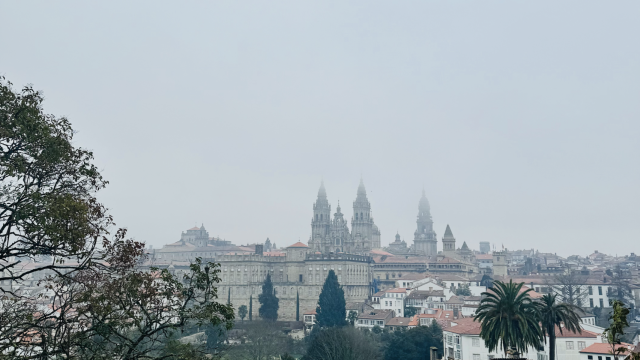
(509, 318)
(553, 315)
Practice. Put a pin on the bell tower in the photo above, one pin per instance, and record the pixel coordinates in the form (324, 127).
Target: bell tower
(321, 221)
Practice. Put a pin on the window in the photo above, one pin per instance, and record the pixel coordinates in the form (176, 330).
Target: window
(475, 342)
(476, 356)
(300, 278)
(590, 290)
(569, 345)
(581, 345)
(599, 290)
(590, 357)
(601, 303)
(591, 301)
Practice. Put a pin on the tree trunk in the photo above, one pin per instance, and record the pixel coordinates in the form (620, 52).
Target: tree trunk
(552, 343)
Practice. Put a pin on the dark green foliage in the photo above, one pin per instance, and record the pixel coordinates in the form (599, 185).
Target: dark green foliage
(242, 311)
(331, 310)
(229, 297)
(409, 311)
(342, 343)
(353, 316)
(297, 306)
(510, 318)
(250, 307)
(486, 281)
(414, 344)
(553, 315)
(376, 330)
(286, 356)
(463, 290)
(269, 303)
(215, 337)
(618, 322)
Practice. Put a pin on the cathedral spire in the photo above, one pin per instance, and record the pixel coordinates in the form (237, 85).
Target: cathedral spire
(448, 233)
(322, 193)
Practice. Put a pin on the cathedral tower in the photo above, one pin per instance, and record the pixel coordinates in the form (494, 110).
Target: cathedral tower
(425, 241)
(339, 233)
(321, 221)
(365, 234)
(449, 243)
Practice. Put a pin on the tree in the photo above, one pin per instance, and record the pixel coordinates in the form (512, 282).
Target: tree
(620, 287)
(342, 343)
(229, 296)
(570, 289)
(509, 318)
(265, 341)
(250, 307)
(463, 290)
(554, 315)
(269, 303)
(415, 343)
(331, 310)
(152, 306)
(242, 312)
(353, 316)
(48, 208)
(486, 281)
(286, 356)
(214, 336)
(409, 311)
(618, 322)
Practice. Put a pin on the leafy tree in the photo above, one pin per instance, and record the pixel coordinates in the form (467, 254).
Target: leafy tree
(250, 307)
(242, 312)
(463, 290)
(215, 337)
(353, 316)
(509, 318)
(286, 356)
(297, 306)
(265, 342)
(409, 311)
(415, 343)
(331, 310)
(486, 281)
(229, 296)
(152, 306)
(269, 303)
(342, 343)
(618, 322)
(376, 330)
(554, 315)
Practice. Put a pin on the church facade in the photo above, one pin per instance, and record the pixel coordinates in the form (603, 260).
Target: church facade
(332, 235)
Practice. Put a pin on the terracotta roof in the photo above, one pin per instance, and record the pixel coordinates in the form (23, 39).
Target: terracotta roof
(400, 259)
(375, 314)
(570, 334)
(195, 228)
(298, 245)
(396, 290)
(399, 321)
(311, 312)
(484, 257)
(274, 253)
(465, 326)
(603, 348)
(448, 260)
(380, 252)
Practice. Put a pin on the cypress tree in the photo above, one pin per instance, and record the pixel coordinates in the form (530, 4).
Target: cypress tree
(229, 297)
(268, 301)
(297, 306)
(250, 307)
(331, 310)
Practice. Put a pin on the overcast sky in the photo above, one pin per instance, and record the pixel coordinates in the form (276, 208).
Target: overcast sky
(521, 120)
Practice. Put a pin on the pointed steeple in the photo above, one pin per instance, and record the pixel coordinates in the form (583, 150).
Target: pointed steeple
(447, 233)
(464, 246)
(322, 193)
(361, 190)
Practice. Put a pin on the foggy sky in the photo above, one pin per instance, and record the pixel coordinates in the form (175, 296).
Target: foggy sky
(519, 119)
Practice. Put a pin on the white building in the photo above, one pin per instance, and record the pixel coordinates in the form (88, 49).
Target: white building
(393, 299)
(462, 342)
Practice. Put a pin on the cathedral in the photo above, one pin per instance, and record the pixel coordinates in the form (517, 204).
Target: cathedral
(332, 235)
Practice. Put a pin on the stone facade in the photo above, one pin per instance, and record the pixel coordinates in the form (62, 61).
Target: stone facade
(333, 235)
(425, 242)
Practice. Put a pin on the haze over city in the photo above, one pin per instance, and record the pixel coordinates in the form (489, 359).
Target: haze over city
(520, 122)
